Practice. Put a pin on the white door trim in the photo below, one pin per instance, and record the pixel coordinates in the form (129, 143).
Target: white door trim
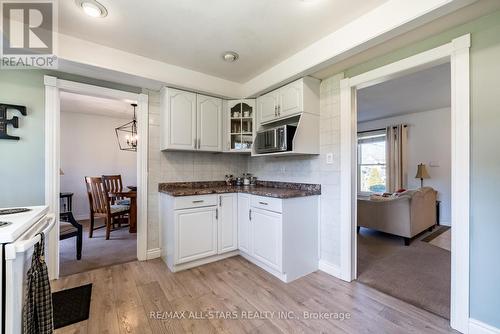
(457, 53)
(53, 87)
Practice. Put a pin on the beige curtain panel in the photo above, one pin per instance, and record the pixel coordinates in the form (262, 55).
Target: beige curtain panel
(397, 171)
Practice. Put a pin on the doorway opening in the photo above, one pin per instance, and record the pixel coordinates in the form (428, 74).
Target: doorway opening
(403, 189)
(457, 54)
(98, 208)
(87, 174)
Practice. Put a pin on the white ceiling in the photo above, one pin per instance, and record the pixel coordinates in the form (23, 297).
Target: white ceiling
(194, 33)
(77, 103)
(421, 91)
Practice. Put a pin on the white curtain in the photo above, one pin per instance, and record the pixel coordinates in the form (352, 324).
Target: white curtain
(396, 165)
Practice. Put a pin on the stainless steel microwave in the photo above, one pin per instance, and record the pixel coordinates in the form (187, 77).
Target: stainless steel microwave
(278, 139)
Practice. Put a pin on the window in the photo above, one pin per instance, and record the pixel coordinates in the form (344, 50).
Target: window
(372, 162)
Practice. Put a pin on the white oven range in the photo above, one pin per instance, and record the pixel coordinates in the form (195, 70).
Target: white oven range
(19, 232)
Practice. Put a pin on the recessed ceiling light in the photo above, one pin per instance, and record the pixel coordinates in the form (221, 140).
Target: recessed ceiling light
(92, 8)
(230, 56)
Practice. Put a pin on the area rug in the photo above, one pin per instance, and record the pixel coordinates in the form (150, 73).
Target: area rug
(71, 305)
(419, 274)
(440, 230)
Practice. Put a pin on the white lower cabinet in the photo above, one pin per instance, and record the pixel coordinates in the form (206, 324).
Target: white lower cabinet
(196, 233)
(244, 232)
(228, 223)
(278, 235)
(267, 237)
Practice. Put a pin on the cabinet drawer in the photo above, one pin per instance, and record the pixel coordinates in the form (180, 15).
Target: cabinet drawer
(267, 203)
(187, 202)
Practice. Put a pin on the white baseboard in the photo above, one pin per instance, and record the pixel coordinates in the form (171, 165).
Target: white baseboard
(445, 223)
(478, 327)
(330, 268)
(153, 253)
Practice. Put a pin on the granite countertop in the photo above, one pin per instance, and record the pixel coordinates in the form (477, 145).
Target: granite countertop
(262, 188)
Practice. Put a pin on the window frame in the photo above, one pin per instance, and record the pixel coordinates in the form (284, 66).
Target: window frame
(364, 137)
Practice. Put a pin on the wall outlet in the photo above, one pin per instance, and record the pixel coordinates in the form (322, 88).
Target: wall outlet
(329, 158)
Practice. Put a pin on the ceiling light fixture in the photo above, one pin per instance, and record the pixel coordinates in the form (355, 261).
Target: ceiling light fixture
(127, 134)
(92, 8)
(230, 56)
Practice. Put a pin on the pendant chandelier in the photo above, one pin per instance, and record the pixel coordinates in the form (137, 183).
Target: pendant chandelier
(127, 134)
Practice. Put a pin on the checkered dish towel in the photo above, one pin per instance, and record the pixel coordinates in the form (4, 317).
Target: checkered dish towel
(38, 318)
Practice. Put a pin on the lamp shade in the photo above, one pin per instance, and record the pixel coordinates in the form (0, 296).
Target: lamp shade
(422, 172)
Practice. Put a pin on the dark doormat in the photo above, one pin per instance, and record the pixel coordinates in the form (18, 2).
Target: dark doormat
(71, 305)
(440, 230)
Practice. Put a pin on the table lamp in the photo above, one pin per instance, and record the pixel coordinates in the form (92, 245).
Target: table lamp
(422, 174)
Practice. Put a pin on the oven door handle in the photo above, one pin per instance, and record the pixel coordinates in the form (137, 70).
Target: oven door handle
(22, 246)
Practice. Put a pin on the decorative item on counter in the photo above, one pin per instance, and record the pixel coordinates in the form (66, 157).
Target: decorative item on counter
(229, 178)
(4, 121)
(246, 179)
(239, 181)
(253, 180)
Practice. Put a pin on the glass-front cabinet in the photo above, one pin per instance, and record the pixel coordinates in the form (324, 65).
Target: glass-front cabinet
(240, 125)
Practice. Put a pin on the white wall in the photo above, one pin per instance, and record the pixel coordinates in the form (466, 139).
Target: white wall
(313, 169)
(429, 141)
(89, 148)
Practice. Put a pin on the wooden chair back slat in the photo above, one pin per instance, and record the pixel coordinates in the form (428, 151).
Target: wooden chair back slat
(98, 198)
(113, 183)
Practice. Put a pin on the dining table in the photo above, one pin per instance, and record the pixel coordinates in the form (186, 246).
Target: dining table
(132, 195)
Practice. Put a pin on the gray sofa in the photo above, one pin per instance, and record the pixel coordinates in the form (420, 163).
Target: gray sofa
(407, 215)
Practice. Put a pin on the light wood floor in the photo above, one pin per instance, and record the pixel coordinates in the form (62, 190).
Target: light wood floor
(124, 295)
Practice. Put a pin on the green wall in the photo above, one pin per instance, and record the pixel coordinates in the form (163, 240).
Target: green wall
(485, 155)
(22, 162)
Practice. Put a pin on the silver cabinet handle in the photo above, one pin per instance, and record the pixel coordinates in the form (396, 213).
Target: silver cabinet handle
(194, 143)
(263, 203)
(275, 111)
(220, 200)
(200, 201)
(279, 110)
(250, 214)
(199, 143)
(216, 214)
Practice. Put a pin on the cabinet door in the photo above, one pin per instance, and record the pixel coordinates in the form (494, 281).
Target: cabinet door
(267, 237)
(244, 231)
(290, 99)
(196, 232)
(209, 114)
(267, 107)
(181, 120)
(228, 223)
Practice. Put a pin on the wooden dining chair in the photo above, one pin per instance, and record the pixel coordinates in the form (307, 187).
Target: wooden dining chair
(101, 205)
(113, 184)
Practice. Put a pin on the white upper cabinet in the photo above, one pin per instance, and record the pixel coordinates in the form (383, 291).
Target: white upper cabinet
(301, 96)
(290, 99)
(190, 121)
(267, 106)
(178, 120)
(209, 124)
(239, 125)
